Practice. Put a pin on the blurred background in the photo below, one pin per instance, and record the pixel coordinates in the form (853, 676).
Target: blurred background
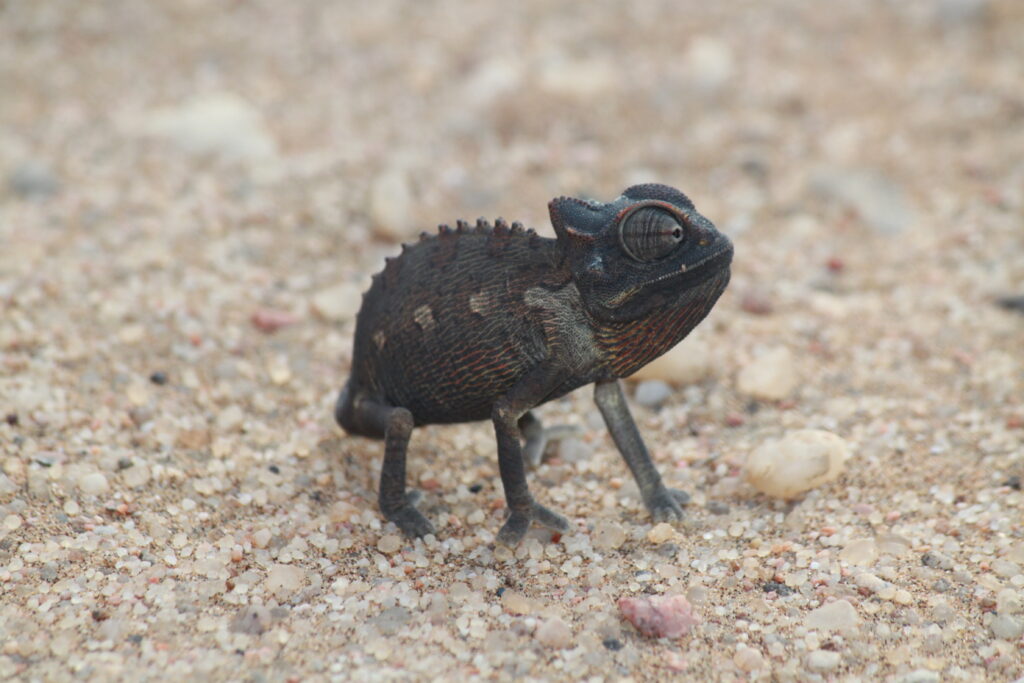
(194, 193)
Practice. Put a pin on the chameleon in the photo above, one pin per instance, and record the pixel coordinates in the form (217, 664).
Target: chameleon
(487, 322)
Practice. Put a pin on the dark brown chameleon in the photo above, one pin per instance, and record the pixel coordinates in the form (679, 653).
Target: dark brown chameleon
(487, 322)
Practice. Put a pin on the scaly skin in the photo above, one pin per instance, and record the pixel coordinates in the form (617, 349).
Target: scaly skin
(488, 322)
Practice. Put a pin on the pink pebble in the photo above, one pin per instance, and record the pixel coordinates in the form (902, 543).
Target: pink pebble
(270, 320)
(659, 616)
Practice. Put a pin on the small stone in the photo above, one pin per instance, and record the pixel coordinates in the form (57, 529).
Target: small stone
(608, 535)
(391, 620)
(800, 461)
(823, 660)
(1006, 627)
(337, 304)
(12, 522)
(685, 363)
(717, 507)
(137, 475)
(871, 582)
(1009, 601)
(33, 180)
(920, 676)
(835, 616)
(781, 589)
(158, 378)
(659, 616)
(278, 369)
(93, 484)
(709, 63)
(253, 620)
(71, 508)
(748, 659)
(7, 486)
(515, 603)
(936, 560)
(583, 79)
(652, 393)
(554, 633)
(903, 597)
(1005, 568)
(862, 552)
(662, 533)
(221, 124)
(880, 202)
(269, 320)
(390, 204)
(261, 539)
(284, 579)
(230, 419)
(771, 376)
(612, 644)
(389, 543)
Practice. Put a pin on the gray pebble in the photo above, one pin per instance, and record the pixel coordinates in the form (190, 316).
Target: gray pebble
(652, 393)
(33, 180)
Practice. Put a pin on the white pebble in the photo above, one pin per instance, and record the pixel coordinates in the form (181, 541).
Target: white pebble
(391, 204)
(389, 543)
(823, 660)
(799, 462)
(835, 616)
(1006, 627)
(93, 484)
(770, 376)
(862, 552)
(554, 633)
(338, 303)
(661, 533)
(284, 578)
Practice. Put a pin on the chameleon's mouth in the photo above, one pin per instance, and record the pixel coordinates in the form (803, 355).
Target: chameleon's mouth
(698, 271)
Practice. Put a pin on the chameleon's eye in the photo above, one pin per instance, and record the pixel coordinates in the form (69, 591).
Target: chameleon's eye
(650, 233)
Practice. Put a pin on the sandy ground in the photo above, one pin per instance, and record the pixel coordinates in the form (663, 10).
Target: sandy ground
(181, 179)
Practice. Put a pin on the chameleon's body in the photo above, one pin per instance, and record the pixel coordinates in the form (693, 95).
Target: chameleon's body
(487, 322)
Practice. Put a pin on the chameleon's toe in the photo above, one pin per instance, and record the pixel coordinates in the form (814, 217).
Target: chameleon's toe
(409, 520)
(518, 523)
(682, 497)
(664, 505)
(551, 520)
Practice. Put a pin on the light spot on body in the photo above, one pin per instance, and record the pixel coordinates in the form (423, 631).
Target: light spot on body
(480, 302)
(379, 338)
(424, 317)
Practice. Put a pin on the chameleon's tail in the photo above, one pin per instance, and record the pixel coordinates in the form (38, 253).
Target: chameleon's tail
(359, 414)
(343, 410)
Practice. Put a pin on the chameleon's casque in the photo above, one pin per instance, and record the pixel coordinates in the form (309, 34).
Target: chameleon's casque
(487, 322)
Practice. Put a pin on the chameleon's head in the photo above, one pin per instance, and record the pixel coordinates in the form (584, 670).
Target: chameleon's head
(645, 250)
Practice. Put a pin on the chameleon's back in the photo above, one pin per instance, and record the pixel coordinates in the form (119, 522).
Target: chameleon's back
(444, 331)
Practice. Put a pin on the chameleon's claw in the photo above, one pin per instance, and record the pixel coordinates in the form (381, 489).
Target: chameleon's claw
(518, 523)
(665, 504)
(407, 518)
(682, 497)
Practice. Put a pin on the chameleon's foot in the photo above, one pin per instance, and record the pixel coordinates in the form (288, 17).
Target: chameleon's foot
(518, 523)
(407, 518)
(665, 505)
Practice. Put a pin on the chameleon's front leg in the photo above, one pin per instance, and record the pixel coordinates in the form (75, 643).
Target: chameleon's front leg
(523, 509)
(662, 502)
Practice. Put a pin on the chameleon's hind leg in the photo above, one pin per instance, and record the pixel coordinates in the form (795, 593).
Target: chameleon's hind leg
(536, 436)
(395, 503)
(506, 415)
